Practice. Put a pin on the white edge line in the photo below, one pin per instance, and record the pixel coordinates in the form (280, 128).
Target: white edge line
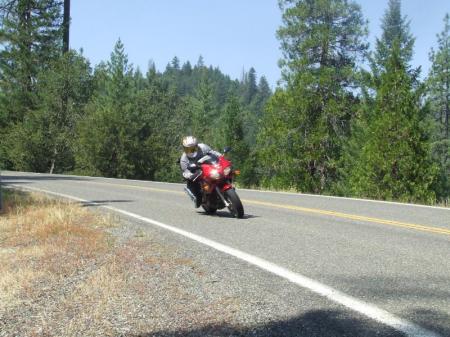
(261, 191)
(366, 309)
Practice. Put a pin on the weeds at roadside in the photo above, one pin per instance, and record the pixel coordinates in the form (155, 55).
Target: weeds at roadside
(69, 271)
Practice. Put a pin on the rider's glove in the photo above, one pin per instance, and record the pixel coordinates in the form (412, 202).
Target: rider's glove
(188, 175)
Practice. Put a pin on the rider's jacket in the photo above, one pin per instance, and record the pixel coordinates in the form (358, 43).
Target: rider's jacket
(203, 150)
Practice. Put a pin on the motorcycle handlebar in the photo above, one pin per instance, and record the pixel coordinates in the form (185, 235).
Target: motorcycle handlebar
(193, 167)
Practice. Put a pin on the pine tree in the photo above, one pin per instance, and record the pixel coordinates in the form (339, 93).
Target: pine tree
(44, 141)
(186, 69)
(395, 163)
(304, 126)
(152, 74)
(264, 93)
(203, 108)
(438, 83)
(139, 82)
(395, 29)
(233, 130)
(31, 39)
(234, 136)
(250, 86)
(200, 62)
(63, 92)
(175, 63)
(106, 134)
(253, 111)
(133, 126)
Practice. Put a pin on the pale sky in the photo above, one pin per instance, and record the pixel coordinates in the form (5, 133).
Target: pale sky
(233, 35)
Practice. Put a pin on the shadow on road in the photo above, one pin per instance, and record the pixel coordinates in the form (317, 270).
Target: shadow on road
(401, 288)
(226, 214)
(312, 324)
(96, 203)
(434, 320)
(432, 310)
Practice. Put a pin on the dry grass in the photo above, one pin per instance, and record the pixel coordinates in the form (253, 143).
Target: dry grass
(43, 243)
(65, 274)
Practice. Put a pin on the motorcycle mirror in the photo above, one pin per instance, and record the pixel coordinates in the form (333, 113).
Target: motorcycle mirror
(226, 149)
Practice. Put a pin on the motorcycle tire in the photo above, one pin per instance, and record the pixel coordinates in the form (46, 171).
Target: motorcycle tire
(235, 206)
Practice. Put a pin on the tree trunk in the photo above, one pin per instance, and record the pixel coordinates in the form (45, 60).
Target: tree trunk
(66, 26)
(53, 161)
(26, 25)
(447, 107)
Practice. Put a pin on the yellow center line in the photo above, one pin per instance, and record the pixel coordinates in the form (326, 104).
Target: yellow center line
(424, 228)
(352, 217)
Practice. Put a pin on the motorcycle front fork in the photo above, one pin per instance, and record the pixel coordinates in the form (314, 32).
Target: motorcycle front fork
(219, 193)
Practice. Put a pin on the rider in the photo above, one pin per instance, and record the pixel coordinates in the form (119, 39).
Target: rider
(193, 151)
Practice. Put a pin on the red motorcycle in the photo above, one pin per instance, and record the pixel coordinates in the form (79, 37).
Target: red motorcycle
(215, 175)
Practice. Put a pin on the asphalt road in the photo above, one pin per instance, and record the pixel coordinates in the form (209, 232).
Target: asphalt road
(340, 267)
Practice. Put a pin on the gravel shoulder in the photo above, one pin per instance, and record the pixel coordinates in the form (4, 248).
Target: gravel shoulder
(116, 277)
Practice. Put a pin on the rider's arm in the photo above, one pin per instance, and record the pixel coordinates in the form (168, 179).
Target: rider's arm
(184, 163)
(207, 150)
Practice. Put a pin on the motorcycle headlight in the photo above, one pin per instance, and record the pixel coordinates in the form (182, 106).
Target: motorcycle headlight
(227, 170)
(214, 174)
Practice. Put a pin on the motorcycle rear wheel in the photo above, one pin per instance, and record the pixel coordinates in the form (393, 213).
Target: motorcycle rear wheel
(235, 206)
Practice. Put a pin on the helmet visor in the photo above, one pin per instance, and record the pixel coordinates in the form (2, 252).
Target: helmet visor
(190, 149)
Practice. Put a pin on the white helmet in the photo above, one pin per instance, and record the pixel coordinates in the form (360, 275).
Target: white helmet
(190, 146)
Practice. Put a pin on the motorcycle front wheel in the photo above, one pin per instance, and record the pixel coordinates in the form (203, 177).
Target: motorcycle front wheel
(235, 206)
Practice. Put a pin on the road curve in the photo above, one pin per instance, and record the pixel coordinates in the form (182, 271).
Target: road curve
(384, 267)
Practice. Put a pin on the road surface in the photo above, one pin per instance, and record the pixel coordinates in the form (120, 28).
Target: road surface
(342, 267)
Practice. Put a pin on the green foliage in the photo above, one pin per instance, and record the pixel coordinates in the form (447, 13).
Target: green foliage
(30, 32)
(395, 162)
(106, 134)
(250, 87)
(438, 84)
(275, 146)
(395, 29)
(234, 136)
(203, 109)
(331, 128)
(388, 153)
(321, 33)
(44, 141)
(305, 124)
(255, 107)
(27, 146)
(63, 92)
(31, 40)
(133, 125)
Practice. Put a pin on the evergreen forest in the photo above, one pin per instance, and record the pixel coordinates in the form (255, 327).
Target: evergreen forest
(347, 118)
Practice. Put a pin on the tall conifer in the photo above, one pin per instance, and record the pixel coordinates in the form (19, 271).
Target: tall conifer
(395, 30)
(394, 162)
(439, 98)
(306, 123)
(31, 38)
(106, 135)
